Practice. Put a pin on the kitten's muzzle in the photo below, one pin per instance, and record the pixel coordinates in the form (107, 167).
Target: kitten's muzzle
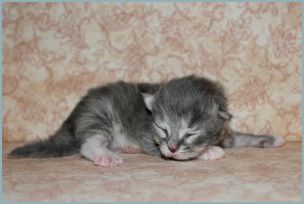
(173, 145)
(172, 149)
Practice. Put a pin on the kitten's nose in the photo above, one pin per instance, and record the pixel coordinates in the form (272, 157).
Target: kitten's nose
(173, 145)
(172, 149)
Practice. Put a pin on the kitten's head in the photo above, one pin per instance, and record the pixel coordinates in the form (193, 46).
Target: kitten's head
(189, 114)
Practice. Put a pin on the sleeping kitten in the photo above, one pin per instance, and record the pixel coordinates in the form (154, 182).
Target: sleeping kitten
(183, 119)
(108, 120)
(191, 120)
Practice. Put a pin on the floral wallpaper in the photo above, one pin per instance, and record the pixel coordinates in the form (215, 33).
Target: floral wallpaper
(54, 52)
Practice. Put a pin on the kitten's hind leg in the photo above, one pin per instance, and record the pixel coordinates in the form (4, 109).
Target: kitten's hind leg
(95, 149)
(238, 139)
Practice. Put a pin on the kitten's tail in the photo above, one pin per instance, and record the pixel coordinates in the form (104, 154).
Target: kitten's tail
(239, 139)
(62, 143)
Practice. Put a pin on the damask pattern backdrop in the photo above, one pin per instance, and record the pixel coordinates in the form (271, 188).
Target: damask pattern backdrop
(54, 52)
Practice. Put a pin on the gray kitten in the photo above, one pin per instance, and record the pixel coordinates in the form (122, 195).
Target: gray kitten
(191, 120)
(183, 119)
(107, 120)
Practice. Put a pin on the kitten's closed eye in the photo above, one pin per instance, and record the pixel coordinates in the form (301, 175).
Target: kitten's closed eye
(192, 132)
(190, 137)
(163, 130)
(187, 135)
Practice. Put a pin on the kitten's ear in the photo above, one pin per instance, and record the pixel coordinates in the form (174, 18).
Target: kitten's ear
(224, 114)
(220, 112)
(149, 100)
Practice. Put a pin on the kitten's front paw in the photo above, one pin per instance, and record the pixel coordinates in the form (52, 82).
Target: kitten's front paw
(107, 160)
(212, 153)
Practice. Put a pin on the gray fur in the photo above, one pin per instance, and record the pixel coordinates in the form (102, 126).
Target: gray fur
(108, 115)
(238, 139)
(190, 114)
(179, 120)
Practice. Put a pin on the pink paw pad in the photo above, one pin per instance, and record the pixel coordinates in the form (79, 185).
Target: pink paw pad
(131, 150)
(107, 161)
(212, 153)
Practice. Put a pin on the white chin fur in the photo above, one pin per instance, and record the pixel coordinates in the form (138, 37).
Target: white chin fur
(178, 156)
(185, 156)
(278, 141)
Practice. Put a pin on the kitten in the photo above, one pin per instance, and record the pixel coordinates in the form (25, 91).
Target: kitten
(183, 119)
(191, 120)
(107, 120)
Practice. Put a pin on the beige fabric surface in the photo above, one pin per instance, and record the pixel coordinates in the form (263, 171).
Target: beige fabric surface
(243, 175)
(54, 52)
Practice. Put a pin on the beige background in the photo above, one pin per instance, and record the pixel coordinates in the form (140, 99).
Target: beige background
(54, 52)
